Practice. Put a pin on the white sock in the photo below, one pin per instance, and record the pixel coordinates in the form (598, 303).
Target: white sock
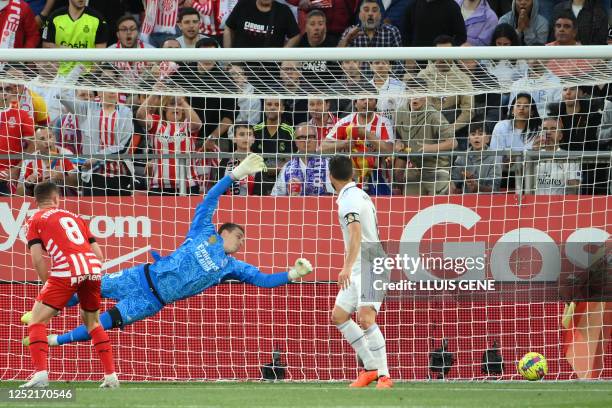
(376, 344)
(357, 339)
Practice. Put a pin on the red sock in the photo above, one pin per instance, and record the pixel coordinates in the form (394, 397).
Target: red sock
(101, 343)
(39, 348)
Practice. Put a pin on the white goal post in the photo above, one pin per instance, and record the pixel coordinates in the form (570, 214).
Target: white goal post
(417, 127)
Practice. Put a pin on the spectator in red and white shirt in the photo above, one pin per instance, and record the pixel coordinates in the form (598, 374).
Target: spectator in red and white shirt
(364, 131)
(128, 33)
(59, 170)
(213, 14)
(107, 129)
(15, 125)
(18, 28)
(171, 129)
(320, 117)
(159, 22)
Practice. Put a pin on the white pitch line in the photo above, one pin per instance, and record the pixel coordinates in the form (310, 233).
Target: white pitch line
(229, 388)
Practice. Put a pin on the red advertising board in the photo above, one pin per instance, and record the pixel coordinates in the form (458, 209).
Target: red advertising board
(231, 330)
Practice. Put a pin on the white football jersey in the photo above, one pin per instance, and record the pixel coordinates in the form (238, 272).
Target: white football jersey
(356, 204)
(553, 177)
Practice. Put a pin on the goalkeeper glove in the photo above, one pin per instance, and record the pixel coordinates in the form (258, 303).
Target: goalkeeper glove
(252, 164)
(301, 268)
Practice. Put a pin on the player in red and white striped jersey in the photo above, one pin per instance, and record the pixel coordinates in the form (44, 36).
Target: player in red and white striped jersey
(173, 129)
(76, 263)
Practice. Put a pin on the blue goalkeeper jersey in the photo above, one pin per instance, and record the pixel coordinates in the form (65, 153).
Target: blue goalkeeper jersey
(200, 262)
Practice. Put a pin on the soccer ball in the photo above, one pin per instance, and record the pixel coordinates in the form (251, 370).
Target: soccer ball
(533, 366)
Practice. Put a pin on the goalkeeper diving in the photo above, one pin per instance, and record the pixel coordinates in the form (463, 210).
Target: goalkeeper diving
(201, 262)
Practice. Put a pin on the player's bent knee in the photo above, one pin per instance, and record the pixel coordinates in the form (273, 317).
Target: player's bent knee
(116, 319)
(366, 318)
(339, 316)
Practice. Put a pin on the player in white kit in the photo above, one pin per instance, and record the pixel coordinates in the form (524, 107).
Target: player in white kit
(357, 216)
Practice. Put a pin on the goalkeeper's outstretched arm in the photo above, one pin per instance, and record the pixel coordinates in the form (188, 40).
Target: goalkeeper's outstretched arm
(248, 273)
(204, 211)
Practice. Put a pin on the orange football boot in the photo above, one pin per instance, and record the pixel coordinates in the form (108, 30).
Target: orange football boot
(384, 382)
(365, 378)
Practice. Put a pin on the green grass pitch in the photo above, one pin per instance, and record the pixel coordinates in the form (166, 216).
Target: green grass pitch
(294, 395)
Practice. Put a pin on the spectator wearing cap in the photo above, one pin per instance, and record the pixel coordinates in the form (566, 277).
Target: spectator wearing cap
(422, 129)
(20, 29)
(591, 20)
(480, 21)
(429, 19)
(443, 76)
(307, 175)
(531, 26)
(189, 24)
(338, 13)
(476, 172)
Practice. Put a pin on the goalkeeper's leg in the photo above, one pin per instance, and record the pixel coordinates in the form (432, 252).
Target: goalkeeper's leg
(126, 312)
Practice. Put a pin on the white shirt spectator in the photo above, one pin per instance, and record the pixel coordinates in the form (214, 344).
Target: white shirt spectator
(507, 71)
(541, 97)
(388, 105)
(506, 136)
(249, 108)
(553, 176)
(102, 133)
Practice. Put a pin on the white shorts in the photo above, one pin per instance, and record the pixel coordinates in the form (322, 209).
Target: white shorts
(349, 299)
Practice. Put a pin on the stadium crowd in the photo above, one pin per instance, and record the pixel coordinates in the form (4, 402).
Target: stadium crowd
(421, 141)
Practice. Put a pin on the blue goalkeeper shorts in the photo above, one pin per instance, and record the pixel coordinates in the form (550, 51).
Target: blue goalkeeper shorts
(130, 289)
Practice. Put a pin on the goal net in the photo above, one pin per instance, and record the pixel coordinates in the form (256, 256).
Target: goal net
(502, 156)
